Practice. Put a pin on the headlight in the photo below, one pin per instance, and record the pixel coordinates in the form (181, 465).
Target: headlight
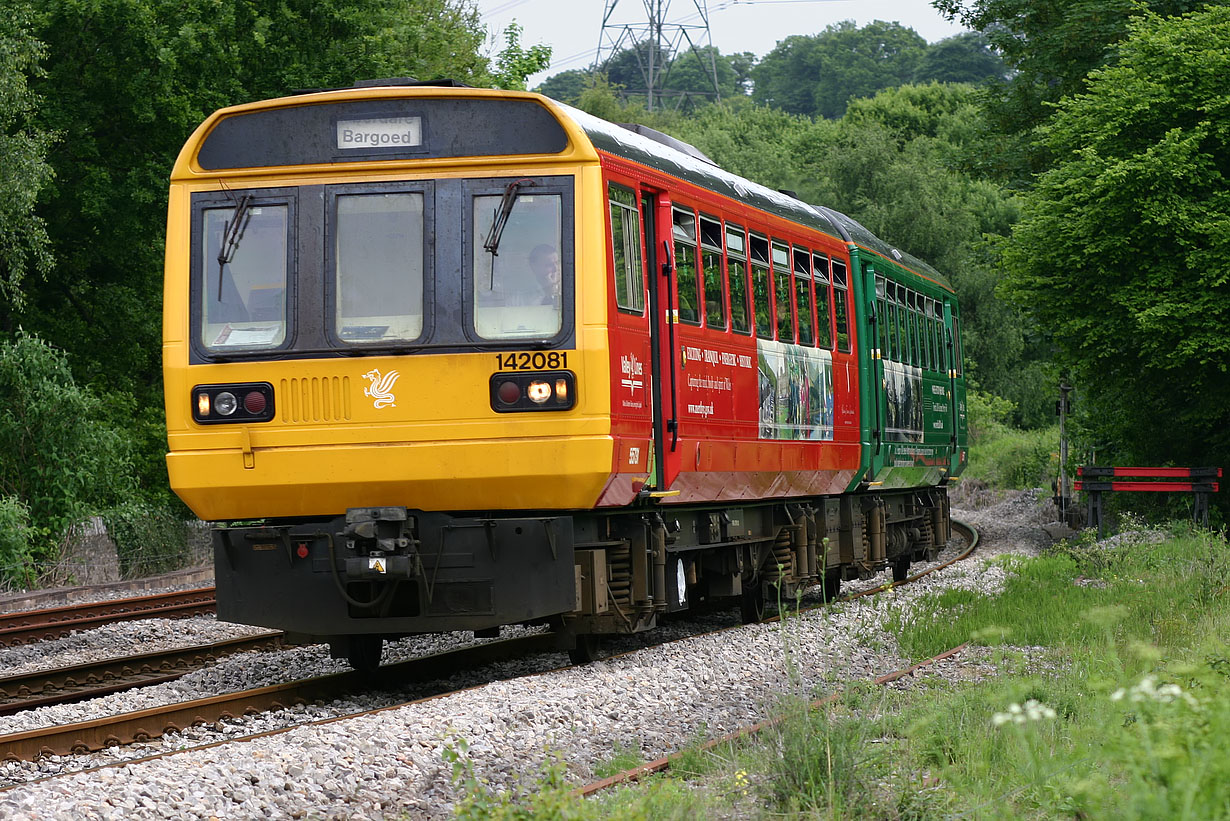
(225, 403)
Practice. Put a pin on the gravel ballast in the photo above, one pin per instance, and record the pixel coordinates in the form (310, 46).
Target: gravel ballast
(654, 700)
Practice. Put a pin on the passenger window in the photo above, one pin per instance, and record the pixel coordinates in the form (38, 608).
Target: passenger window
(715, 281)
(244, 299)
(956, 346)
(802, 294)
(891, 321)
(783, 293)
(945, 359)
(882, 315)
(626, 250)
(937, 337)
(519, 293)
(736, 262)
(903, 337)
(684, 232)
(379, 267)
(760, 286)
(911, 319)
(841, 305)
(824, 323)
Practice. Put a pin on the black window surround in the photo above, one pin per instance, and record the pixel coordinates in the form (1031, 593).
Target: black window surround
(448, 309)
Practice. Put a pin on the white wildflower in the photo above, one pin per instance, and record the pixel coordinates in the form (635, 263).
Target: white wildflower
(1033, 710)
(1147, 690)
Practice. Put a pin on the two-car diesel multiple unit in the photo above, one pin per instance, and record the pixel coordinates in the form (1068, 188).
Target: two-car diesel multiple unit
(441, 358)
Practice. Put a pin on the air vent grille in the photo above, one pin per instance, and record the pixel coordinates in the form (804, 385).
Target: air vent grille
(315, 399)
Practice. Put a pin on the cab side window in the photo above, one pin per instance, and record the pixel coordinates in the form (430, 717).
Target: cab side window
(626, 250)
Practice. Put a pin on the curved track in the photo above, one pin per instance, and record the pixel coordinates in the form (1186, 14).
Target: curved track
(147, 724)
(970, 535)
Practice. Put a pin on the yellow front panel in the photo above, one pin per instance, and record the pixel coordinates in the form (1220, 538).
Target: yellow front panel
(336, 441)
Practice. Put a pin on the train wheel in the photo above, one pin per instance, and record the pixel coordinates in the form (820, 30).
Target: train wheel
(901, 570)
(364, 652)
(586, 649)
(751, 605)
(832, 587)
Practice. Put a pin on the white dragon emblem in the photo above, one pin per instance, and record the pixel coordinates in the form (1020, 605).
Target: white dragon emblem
(381, 390)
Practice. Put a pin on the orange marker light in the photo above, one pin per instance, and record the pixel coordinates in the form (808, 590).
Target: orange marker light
(202, 405)
(561, 390)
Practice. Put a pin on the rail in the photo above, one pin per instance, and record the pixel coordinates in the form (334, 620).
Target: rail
(26, 626)
(147, 724)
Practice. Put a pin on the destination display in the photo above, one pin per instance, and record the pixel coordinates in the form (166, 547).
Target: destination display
(379, 133)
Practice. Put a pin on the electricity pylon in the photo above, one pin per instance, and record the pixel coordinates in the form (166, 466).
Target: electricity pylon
(656, 40)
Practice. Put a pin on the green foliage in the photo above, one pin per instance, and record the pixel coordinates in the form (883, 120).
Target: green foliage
(24, 171)
(15, 540)
(515, 63)
(1122, 249)
(59, 459)
(819, 74)
(1137, 726)
(820, 764)
(566, 86)
(1051, 47)
(753, 141)
(149, 538)
(547, 796)
(602, 99)
(681, 82)
(967, 57)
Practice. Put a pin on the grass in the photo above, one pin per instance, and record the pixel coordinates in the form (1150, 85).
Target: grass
(1109, 703)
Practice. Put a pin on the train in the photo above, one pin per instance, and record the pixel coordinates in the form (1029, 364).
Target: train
(440, 358)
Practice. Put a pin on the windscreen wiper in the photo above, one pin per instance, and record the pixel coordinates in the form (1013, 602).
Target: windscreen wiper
(232, 233)
(492, 242)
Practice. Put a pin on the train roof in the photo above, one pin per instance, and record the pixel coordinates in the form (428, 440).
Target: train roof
(673, 157)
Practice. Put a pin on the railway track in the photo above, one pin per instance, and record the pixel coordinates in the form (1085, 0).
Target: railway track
(145, 725)
(65, 685)
(27, 626)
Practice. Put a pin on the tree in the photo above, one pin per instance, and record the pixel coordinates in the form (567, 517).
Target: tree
(1123, 245)
(565, 86)
(131, 79)
(515, 63)
(818, 75)
(24, 172)
(60, 457)
(1051, 46)
(682, 80)
(967, 57)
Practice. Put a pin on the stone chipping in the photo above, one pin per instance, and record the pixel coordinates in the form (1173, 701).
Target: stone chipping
(655, 699)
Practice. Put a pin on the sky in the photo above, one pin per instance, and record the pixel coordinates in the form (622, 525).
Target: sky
(572, 27)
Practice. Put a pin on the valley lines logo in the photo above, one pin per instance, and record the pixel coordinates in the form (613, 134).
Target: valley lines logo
(632, 370)
(381, 390)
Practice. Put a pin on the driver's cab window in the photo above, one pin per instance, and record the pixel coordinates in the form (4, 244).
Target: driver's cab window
(244, 283)
(518, 287)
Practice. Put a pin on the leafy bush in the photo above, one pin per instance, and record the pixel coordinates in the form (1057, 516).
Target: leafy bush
(149, 538)
(14, 538)
(1003, 456)
(59, 460)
